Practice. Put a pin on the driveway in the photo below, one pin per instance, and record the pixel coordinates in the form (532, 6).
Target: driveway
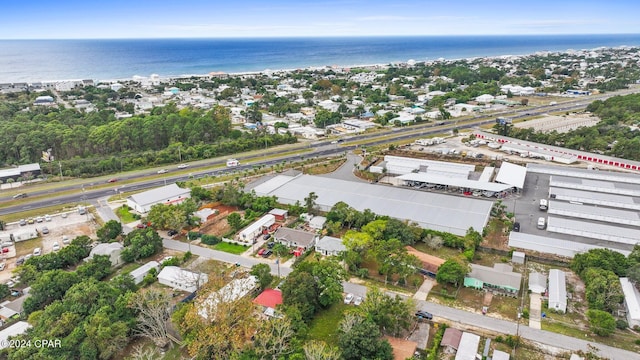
(345, 172)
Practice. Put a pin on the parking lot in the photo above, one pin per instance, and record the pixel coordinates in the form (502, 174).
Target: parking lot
(58, 227)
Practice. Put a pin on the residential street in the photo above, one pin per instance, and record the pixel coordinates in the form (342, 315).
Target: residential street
(460, 317)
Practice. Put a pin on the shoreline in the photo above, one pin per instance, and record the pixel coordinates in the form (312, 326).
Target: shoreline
(317, 67)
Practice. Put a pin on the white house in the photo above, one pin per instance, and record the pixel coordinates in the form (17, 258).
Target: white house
(250, 232)
(631, 302)
(181, 279)
(557, 290)
(330, 246)
(16, 329)
(139, 273)
(485, 98)
(167, 195)
(317, 222)
(112, 250)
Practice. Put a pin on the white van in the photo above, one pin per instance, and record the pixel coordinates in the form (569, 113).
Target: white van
(542, 223)
(544, 204)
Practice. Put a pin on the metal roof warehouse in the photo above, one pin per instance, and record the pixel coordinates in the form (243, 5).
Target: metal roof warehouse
(453, 214)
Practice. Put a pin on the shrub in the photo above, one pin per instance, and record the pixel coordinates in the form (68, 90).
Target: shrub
(525, 313)
(210, 239)
(621, 324)
(192, 235)
(363, 273)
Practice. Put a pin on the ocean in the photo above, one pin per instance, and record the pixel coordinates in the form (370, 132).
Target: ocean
(50, 60)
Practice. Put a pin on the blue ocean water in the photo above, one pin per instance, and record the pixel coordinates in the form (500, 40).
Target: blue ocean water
(47, 60)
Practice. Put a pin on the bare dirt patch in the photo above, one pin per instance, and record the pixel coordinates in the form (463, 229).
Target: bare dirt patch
(217, 224)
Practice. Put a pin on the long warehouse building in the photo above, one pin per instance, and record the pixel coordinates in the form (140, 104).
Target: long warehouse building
(448, 213)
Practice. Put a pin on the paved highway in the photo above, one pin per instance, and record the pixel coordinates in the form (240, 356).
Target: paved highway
(318, 149)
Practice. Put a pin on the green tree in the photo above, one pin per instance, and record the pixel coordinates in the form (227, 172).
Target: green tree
(452, 271)
(359, 339)
(391, 314)
(109, 231)
(199, 193)
(300, 290)
(600, 258)
(633, 273)
(601, 322)
(263, 273)
(234, 220)
(141, 243)
(310, 203)
(319, 350)
(329, 274)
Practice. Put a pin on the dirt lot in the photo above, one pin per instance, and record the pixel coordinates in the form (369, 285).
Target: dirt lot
(217, 224)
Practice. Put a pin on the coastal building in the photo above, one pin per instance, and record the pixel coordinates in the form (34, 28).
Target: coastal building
(330, 246)
(182, 279)
(139, 273)
(500, 278)
(631, 302)
(249, 233)
(166, 195)
(295, 238)
(557, 290)
(112, 250)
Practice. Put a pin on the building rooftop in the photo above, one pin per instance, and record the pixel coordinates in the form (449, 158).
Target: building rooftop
(269, 298)
(330, 243)
(159, 194)
(454, 214)
(512, 174)
(299, 237)
(631, 298)
(537, 282)
(499, 274)
(451, 338)
(552, 245)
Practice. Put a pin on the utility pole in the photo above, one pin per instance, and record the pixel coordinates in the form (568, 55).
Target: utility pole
(60, 166)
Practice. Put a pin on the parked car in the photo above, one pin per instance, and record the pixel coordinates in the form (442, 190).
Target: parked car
(16, 292)
(47, 217)
(64, 215)
(267, 253)
(37, 251)
(542, 223)
(270, 245)
(357, 301)
(163, 171)
(348, 299)
(266, 237)
(65, 239)
(5, 250)
(516, 226)
(22, 222)
(2, 266)
(261, 251)
(30, 221)
(39, 219)
(56, 246)
(423, 315)
(172, 232)
(44, 230)
(20, 260)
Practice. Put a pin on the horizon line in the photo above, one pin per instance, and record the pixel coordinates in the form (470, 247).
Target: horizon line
(317, 37)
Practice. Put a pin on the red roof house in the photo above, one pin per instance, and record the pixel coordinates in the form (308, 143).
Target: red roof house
(269, 298)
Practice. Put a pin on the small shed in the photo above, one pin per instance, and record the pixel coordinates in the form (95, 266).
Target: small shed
(317, 222)
(468, 348)
(112, 250)
(517, 257)
(279, 214)
(139, 273)
(16, 329)
(500, 355)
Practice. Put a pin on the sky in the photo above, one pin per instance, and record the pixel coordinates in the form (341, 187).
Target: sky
(75, 19)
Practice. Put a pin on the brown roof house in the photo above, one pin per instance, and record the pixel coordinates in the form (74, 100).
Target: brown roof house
(451, 340)
(430, 263)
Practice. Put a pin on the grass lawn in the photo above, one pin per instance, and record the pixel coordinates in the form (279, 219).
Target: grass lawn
(230, 248)
(125, 215)
(324, 326)
(27, 246)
